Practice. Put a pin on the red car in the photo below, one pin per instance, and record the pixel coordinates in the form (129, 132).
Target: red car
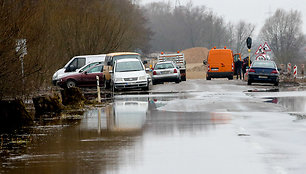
(83, 79)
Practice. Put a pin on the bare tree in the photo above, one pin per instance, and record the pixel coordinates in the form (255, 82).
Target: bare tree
(283, 32)
(242, 31)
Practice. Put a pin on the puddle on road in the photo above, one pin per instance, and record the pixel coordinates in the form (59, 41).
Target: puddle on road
(264, 90)
(103, 139)
(292, 104)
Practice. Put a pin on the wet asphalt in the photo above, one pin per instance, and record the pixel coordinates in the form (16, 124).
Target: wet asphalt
(197, 126)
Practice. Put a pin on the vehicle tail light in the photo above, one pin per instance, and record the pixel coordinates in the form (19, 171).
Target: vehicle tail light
(251, 70)
(232, 66)
(274, 72)
(208, 67)
(175, 71)
(154, 73)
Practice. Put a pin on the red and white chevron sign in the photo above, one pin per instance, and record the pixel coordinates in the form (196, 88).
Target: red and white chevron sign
(289, 67)
(294, 71)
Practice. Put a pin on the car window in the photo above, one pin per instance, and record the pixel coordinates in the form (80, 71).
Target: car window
(128, 66)
(164, 66)
(96, 69)
(263, 64)
(78, 62)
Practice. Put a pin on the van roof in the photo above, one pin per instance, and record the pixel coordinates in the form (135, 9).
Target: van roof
(222, 50)
(122, 53)
(94, 55)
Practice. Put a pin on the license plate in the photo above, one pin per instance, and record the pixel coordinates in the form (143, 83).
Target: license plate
(164, 72)
(262, 77)
(131, 83)
(215, 69)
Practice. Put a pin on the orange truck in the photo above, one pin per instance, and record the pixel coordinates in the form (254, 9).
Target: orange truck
(220, 64)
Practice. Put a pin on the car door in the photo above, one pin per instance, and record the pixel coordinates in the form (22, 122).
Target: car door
(89, 76)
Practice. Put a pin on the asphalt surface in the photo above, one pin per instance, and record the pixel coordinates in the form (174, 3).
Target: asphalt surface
(197, 126)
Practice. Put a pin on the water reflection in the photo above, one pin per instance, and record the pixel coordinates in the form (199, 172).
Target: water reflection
(292, 104)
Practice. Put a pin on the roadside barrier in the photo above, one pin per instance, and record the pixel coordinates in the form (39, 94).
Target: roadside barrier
(289, 68)
(294, 71)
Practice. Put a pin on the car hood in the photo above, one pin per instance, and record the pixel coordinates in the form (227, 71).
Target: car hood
(57, 73)
(129, 74)
(61, 74)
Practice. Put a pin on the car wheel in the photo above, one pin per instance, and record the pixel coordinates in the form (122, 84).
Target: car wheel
(70, 83)
(249, 82)
(183, 78)
(230, 78)
(208, 78)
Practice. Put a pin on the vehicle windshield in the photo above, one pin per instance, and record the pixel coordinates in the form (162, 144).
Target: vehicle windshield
(164, 66)
(126, 57)
(263, 64)
(128, 66)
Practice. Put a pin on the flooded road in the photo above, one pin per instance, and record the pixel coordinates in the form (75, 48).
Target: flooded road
(197, 126)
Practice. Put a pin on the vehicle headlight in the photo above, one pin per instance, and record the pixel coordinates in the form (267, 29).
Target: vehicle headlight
(142, 78)
(118, 79)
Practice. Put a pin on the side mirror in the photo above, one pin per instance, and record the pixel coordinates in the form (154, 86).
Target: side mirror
(86, 72)
(147, 69)
(145, 62)
(205, 62)
(109, 64)
(111, 71)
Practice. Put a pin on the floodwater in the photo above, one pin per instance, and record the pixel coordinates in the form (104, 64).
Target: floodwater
(193, 132)
(128, 136)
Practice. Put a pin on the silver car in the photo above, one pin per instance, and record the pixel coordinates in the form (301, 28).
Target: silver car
(166, 72)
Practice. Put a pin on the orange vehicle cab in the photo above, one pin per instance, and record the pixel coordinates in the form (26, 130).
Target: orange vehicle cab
(220, 64)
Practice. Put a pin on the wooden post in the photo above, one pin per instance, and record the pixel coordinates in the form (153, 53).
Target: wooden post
(98, 89)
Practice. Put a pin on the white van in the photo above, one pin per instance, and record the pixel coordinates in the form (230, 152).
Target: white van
(75, 64)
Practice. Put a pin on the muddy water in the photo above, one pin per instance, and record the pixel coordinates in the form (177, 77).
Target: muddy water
(104, 140)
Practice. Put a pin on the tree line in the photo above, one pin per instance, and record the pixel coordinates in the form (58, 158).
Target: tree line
(181, 27)
(56, 30)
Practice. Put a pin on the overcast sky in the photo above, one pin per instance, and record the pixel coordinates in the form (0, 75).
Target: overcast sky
(253, 11)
